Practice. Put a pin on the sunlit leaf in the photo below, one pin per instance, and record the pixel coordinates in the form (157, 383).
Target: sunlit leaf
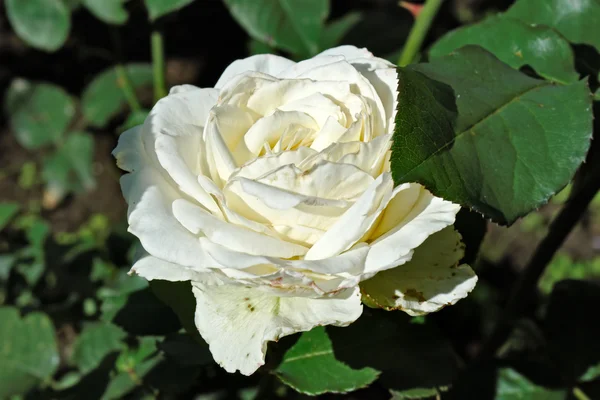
(43, 24)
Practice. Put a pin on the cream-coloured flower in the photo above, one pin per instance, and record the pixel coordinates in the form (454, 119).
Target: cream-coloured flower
(272, 194)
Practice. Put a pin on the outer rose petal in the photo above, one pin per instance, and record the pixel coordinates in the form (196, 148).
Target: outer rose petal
(237, 322)
(266, 63)
(429, 214)
(428, 282)
(150, 268)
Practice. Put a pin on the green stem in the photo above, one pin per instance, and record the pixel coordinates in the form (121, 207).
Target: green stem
(158, 65)
(127, 87)
(419, 31)
(580, 394)
(525, 287)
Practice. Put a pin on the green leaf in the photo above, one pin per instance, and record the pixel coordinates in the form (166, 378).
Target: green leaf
(28, 354)
(591, 373)
(96, 341)
(69, 169)
(571, 333)
(513, 386)
(517, 44)
(134, 119)
(43, 24)
(476, 132)
(158, 8)
(292, 25)
(109, 11)
(7, 212)
(133, 365)
(431, 280)
(416, 394)
(39, 113)
(575, 20)
(6, 263)
(310, 367)
(336, 30)
(103, 98)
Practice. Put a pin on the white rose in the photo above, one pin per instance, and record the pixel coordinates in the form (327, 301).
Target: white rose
(272, 194)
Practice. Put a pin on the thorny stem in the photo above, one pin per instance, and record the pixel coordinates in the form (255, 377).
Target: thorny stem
(419, 31)
(558, 231)
(158, 65)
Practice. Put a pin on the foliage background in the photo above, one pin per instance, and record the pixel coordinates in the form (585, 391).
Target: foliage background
(74, 325)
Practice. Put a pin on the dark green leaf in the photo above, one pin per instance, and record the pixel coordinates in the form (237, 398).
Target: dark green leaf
(517, 44)
(69, 169)
(7, 212)
(141, 313)
(292, 25)
(103, 98)
(95, 342)
(184, 350)
(158, 8)
(109, 11)
(43, 24)
(476, 132)
(575, 20)
(572, 335)
(28, 354)
(39, 113)
(514, 386)
(408, 355)
(311, 367)
(179, 297)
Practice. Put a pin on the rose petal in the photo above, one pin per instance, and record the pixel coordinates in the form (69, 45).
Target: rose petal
(234, 237)
(266, 63)
(428, 282)
(428, 215)
(237, 322)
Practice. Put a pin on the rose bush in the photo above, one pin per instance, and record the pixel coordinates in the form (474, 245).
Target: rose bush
(271, 193)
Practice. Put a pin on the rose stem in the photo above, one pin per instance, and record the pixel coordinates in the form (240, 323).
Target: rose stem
(558, 231)
(158, 65)
(123, 80)
(418, 31)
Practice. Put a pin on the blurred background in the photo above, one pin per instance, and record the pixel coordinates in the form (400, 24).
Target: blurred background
(74, 74)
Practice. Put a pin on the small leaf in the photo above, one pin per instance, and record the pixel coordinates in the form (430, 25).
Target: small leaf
(103, 98)
(109, 11)
(7, 212)
(514, 386)
(95, 342)
(292, 25)
(416, 394)
(310, 367)
(158, 8)
(69, 169)
(39, 113)
(575, 20)
(43, 24)
(476, 132)
(134, 119)
(29, 353)
(517, 44)
(335, 31)
(591, 373)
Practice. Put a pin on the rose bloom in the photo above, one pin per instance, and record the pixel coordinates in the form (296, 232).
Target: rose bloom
(272, 194)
